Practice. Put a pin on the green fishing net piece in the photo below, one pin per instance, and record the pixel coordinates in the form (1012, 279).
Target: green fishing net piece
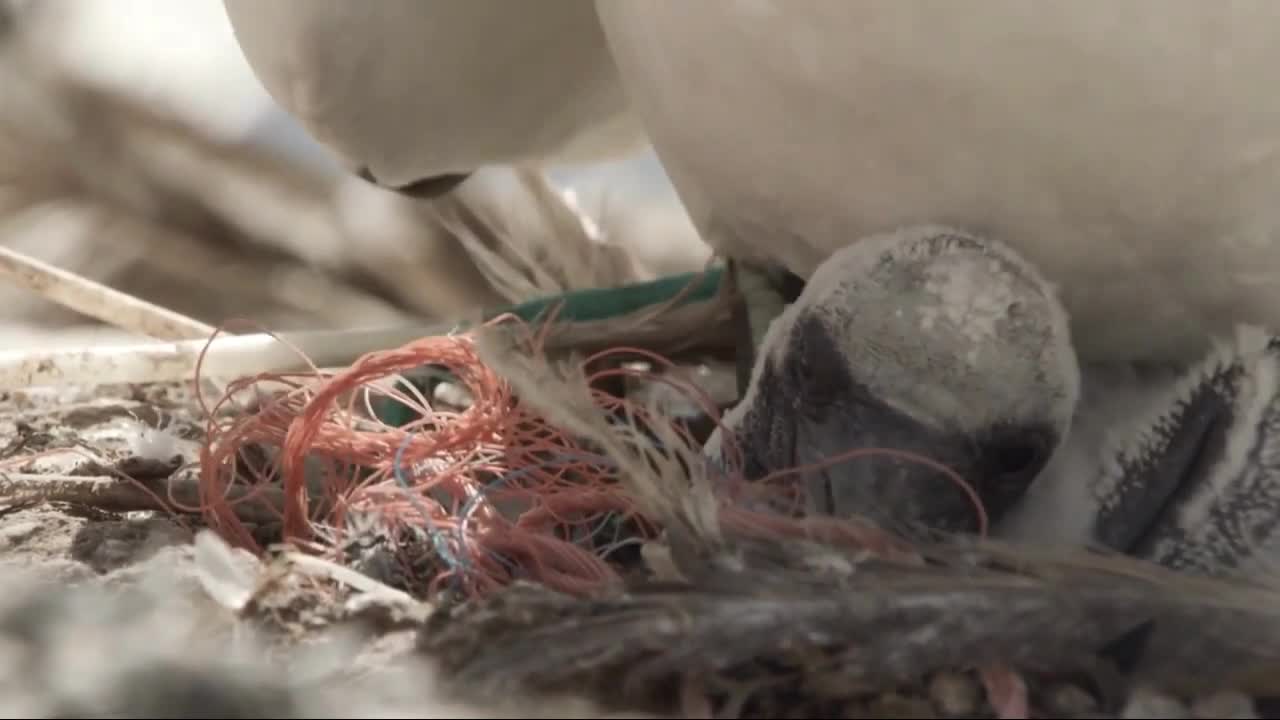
(589, 305)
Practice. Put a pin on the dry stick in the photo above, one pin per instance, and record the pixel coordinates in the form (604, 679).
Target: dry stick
(118, 495)
(677, 330)
(97, 300)
(228, 356)
(321, 567)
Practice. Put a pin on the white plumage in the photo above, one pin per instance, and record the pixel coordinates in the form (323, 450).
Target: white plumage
(410, 89)
(1130, 151)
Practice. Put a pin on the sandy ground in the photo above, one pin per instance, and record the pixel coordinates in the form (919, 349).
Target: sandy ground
(132, 618)
(69, 434)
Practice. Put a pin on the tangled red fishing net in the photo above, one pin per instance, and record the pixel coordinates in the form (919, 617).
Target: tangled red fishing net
(493, 492)
(475, 497)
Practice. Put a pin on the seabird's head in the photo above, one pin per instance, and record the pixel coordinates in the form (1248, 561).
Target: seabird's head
(926, 340)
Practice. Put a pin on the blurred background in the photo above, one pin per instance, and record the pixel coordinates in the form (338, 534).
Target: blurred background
(138, 149)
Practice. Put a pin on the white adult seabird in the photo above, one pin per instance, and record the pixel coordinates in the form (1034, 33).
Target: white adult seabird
(1130, 152)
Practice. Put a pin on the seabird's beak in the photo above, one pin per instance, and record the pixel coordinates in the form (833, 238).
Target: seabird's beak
(425, 189)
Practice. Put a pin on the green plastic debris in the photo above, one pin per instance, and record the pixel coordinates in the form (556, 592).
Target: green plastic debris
(605, 303)
(577, 306)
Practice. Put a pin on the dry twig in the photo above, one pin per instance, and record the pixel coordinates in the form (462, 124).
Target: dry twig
(98, 301)
(115, 494)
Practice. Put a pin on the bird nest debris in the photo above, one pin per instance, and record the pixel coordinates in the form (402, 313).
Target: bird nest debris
(543, 532)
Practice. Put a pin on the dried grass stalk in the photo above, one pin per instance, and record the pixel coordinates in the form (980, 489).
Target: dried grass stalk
(98, 301)
(114, 494)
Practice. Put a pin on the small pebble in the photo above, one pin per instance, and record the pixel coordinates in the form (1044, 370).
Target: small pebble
(1066, 699)
(453, 395)
(954, 693)
(18, 533)
(1150, 705)
(1234, 705)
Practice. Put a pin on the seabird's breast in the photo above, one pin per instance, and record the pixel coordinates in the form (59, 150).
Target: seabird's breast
(1131, 151)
